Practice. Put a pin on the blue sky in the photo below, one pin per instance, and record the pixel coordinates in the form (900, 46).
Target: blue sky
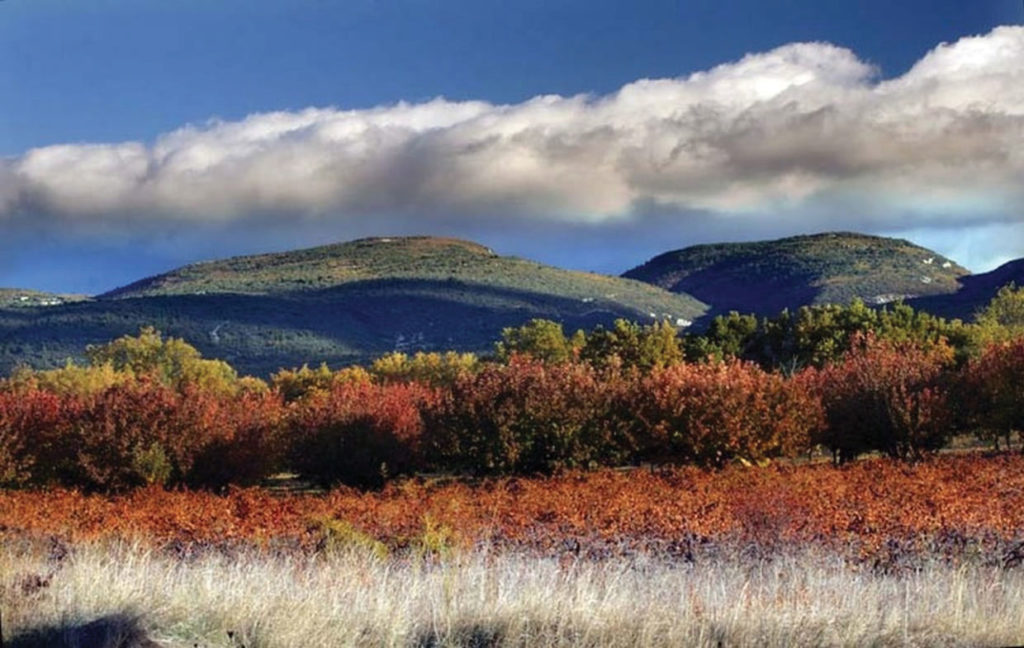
(548, 142)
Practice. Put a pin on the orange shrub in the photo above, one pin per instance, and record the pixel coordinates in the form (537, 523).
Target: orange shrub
(528, 416)
(953, 507)
(992, 390)
(885, 396)
(712, 413)
(33, 424)
(359, 433)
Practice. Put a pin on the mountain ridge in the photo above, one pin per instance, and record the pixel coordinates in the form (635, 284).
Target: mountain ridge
(349, 302)
(764, 277)
(340, 303)
(975, 292)
(292, 265)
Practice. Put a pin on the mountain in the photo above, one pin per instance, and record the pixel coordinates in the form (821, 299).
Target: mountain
(339, 303)
(764, 277)
(975, 292)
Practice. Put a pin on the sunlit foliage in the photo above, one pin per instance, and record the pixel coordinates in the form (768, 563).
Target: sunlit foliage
(432, 368)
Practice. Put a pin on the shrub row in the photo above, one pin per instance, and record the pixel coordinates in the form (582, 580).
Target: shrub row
(135, 433)
(520, 417)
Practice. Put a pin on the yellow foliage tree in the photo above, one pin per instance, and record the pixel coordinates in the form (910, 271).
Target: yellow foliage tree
(71, 379)
(298, 383)
(1003, 319)
(172, 361)
(432, 368)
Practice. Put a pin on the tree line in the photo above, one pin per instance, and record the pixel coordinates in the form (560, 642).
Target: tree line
(850, 379)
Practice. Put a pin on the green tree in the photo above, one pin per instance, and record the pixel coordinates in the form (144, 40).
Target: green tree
(539, 338)
(818, 335)
(172, 361)
(1003, 319)
(727, 336)
(632, 345)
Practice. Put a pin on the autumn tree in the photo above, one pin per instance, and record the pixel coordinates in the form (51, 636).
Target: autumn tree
(633, 345)
(1002, 319)
(359, 433)
(294, 384)
(171, 361)
(991, 392)
(34, 425)
(527, 416)
(541, 339)
(716, 412)
(432, 368)
(68, 380)
(892, 397)
(248, 445)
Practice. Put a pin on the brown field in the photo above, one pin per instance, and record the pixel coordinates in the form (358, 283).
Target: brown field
(949, 504)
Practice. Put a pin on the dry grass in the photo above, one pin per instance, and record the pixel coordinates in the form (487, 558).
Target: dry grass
(356, 599)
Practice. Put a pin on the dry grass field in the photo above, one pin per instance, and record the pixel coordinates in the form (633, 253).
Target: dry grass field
(354, 597)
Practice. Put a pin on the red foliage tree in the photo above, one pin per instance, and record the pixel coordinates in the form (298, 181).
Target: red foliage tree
(992, 391)
(135, 433)
(359, 433)
(712, 413)
(33, 427)
(244, 445)
(886, 396)
(529, 416)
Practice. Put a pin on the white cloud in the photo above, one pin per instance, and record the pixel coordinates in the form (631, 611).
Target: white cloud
(807, 128)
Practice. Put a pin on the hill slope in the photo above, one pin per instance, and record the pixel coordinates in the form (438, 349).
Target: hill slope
(766, 276)
(19, 298)
(338, 303)
(975, 292)
(413, 258)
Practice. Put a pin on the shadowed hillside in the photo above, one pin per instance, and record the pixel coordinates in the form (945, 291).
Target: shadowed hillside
(340, 304)
(975, 292)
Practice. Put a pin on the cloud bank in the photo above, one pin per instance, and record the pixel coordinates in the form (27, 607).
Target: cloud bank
(806, 136)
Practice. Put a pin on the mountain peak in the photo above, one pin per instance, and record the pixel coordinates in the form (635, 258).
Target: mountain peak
(829, 267)
(419, 243)
(312, 268)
